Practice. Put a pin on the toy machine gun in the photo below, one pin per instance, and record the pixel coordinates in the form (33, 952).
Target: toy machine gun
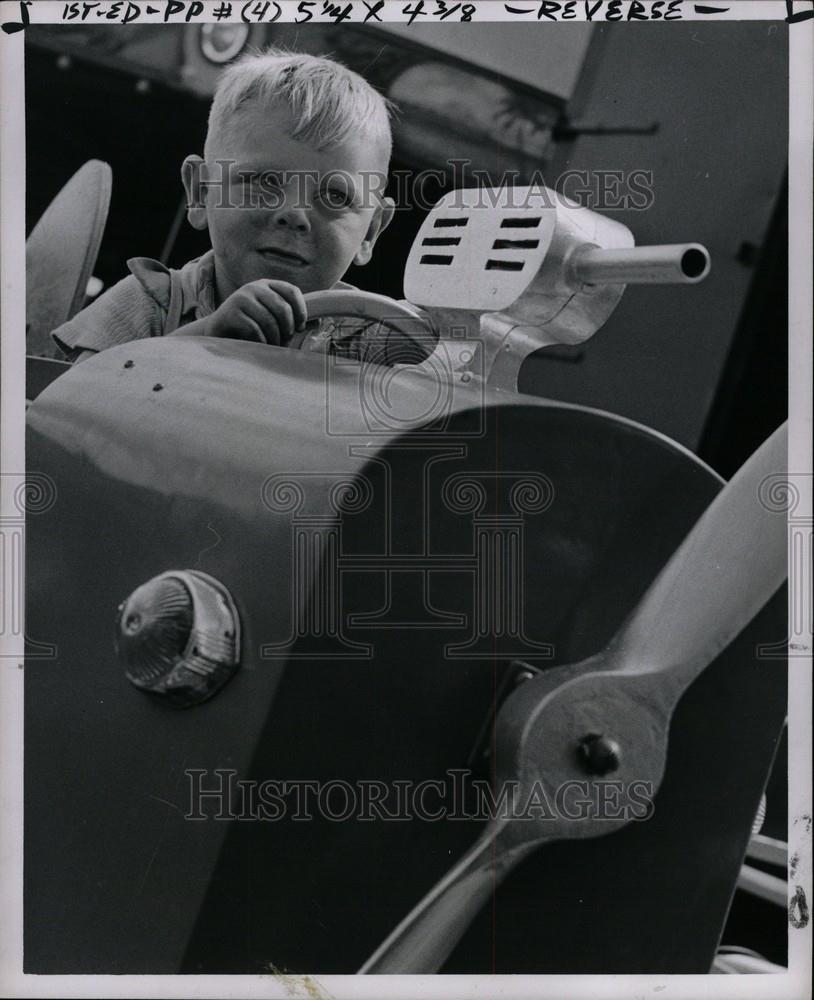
(517, 269)
(539, 269)
(609, 591)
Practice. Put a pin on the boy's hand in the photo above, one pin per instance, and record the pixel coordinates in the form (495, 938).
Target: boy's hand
(267, 311)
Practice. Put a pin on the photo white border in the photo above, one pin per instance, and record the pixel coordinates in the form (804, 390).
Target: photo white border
(790, 986)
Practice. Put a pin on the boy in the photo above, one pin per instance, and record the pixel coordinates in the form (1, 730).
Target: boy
(297, 148)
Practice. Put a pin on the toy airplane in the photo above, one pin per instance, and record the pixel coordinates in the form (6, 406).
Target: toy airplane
(347, 573)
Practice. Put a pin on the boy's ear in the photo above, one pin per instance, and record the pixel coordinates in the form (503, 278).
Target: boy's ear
(382, 218)
(193, 180)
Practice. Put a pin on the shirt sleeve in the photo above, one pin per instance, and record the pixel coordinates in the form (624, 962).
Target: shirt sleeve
(123, 313)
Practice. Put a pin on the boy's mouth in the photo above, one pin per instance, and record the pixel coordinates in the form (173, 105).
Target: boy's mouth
(283, 256)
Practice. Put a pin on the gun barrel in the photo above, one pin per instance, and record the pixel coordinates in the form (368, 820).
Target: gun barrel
(670, 264)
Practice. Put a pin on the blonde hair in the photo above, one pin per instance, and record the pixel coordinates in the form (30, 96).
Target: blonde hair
(329, 103)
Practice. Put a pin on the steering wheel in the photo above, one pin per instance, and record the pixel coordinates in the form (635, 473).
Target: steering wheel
(369, 306)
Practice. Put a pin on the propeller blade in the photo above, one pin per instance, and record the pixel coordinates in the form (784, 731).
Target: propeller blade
(424, 940)
(729, 565)
(440, 919)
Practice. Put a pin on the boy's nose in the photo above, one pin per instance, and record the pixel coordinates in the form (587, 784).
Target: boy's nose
(294, 218)
(293, 213)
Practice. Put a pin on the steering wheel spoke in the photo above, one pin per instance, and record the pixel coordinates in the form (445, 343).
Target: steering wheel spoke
(397, 316)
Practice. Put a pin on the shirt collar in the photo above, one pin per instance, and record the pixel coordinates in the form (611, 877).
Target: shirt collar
(198, 286)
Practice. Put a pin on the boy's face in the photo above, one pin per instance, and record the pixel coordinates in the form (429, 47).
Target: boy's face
(276, 207)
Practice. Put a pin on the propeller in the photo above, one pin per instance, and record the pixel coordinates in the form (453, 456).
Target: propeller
(607, 718)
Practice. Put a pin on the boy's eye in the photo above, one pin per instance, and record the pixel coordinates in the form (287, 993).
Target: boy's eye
(336, 197)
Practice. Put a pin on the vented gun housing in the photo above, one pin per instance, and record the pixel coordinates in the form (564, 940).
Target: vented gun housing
(535, 267)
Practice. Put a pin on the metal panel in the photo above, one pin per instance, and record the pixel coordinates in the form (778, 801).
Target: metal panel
(150, 479)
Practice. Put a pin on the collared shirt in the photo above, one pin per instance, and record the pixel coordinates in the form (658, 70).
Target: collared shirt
(154, 301)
